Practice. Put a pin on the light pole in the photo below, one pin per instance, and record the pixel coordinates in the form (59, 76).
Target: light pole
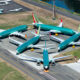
(54, 11)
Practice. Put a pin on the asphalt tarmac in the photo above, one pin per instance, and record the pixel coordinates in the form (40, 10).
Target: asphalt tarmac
(57, 72)
(11, 6)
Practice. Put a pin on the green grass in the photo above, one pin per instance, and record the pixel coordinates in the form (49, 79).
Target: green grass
(8, 73)
(7, 26)
(24, 21)
(27, 20)
(37, 0)
(62, 9)
(74, 53)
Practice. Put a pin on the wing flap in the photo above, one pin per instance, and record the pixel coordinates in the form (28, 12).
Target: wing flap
(32, 59)
(75, 43)
(15, 42)
(18, 34)
(58, 58)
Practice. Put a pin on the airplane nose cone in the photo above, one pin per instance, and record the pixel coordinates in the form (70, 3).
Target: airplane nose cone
(46, 67)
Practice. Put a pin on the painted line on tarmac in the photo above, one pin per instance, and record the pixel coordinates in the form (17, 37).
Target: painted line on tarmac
(47, 75)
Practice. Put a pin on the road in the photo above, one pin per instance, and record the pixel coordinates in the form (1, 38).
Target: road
(58, 72)
(65, 13)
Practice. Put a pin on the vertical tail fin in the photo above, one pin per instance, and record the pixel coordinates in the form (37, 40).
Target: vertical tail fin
(61, 23)
(34, 20)
(38, 32)
(79, 28)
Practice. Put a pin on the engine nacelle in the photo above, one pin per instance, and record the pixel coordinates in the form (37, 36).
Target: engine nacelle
(53, 63)
(38, 63)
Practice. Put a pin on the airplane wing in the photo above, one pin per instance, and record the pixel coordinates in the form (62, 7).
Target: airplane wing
(74, 43)
(54, 31)
(31, 59)
(48, 32)
(14, 41)
(56, 39)
(18, 34)
(1, 30)
(58, 58)
(1, 9)
(16, 9)
(40, 46)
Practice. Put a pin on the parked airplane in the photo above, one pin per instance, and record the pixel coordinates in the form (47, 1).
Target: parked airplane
(28, 44)
(13, 31)
(1, 11)
(46, 61)
(51, 28)
(16, 10)
(4, 2)
(65, 43)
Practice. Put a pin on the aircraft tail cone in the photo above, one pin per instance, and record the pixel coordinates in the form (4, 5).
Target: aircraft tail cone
(17, 53)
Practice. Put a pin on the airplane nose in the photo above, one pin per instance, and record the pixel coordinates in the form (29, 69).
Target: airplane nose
(46, 67)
